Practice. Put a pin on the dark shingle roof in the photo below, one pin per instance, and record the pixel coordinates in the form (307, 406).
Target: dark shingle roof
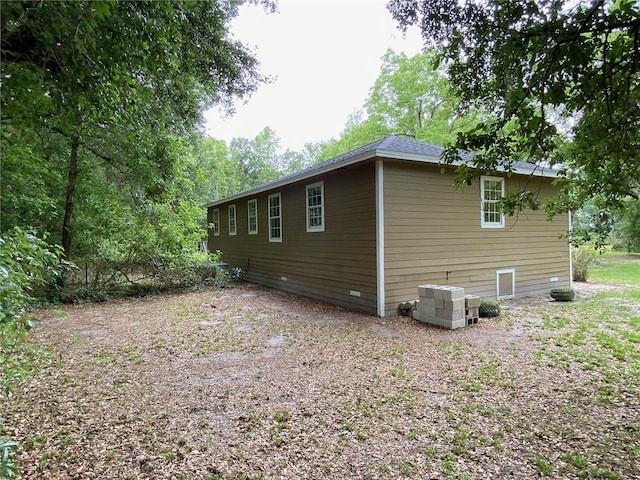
(393, 146)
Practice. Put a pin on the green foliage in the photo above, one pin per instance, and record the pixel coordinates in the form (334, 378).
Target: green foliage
(8, 467)
(412, 97)
(258, 161)
(26, 261)
(581, 259)
(99, 105)
(592, 223)
(627, 230)
(560, 78)
(99, 148)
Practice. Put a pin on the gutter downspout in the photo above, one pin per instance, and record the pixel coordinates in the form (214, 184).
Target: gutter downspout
(380, 237)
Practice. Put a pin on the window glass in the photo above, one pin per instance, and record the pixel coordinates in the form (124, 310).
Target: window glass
(232, 219)
(252, 213)
(315, 207)
(215, 219)
(492, 190)
(275, 218)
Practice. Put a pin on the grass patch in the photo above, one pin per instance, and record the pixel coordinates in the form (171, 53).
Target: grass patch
(616, 267)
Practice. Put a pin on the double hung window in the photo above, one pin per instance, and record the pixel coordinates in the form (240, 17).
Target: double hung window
(275, 218)
(491, 191)
(215, 221)
(315, 207)
(252, 214)
(232, 219)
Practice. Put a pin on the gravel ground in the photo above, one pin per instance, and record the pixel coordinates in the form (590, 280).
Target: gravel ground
(249, 382)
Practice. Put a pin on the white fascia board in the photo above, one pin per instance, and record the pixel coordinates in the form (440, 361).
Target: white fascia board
(295, 178)
(416, 157)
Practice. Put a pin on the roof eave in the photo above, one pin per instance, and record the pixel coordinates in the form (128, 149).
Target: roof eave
(417, 157)
(375, 153)
(293, 179)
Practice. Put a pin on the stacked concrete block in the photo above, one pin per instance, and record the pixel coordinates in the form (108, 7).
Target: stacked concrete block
(441, 305)
(472, 308)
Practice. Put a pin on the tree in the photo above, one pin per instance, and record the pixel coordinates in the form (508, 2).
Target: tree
(260, 160)
(111, 84)
(356, 133)
(410, 97)
(627, 229)
(540, 66)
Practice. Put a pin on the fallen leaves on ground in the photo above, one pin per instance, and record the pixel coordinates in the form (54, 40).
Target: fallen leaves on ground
(249, 382)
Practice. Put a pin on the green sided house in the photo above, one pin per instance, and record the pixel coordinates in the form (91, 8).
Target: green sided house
(365, 229)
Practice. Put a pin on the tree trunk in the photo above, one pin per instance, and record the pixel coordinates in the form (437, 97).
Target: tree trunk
(71, 189)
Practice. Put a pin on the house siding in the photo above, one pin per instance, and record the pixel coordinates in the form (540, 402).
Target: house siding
(433, 235)
(327, 265)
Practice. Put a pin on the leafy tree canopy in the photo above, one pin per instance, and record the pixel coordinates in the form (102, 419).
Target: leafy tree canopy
(100, 98)
(561, 78)
(411, 97)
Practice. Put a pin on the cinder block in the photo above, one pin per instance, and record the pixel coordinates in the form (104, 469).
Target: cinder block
(425, 311)
(472, 301)
(424, 317)
(426, 291)
(472, 313)
(450, 315)
(453, 304)
(457, 324)
(428, 302)
(457, 293)
(438, 293)
(424, 314)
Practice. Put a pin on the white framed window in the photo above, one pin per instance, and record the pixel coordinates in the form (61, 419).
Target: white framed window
(231, 210)
(252, 216)
(275, 218)
(315, 207)
(491, 191)
(505, 283)
(215, 220)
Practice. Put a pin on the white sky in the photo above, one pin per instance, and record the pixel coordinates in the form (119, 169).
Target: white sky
(324, 56)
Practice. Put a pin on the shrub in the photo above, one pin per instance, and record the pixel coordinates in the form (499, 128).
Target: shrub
(582, 257)
(25, 262)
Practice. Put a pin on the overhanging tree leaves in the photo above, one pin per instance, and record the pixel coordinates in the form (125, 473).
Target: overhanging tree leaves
(115, 81)
(411, 97)
(552, 72)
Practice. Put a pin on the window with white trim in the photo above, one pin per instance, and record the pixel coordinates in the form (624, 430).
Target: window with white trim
(275, 218)
(505, 283)
(491, 191)
(315, 207)
(215, 220)
(231, 210)
(252, 216)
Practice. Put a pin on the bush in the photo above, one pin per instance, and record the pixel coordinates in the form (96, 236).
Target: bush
(25, 262)
(582, 257)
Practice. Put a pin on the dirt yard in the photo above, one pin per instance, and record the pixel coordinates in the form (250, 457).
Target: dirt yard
(248, 383)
